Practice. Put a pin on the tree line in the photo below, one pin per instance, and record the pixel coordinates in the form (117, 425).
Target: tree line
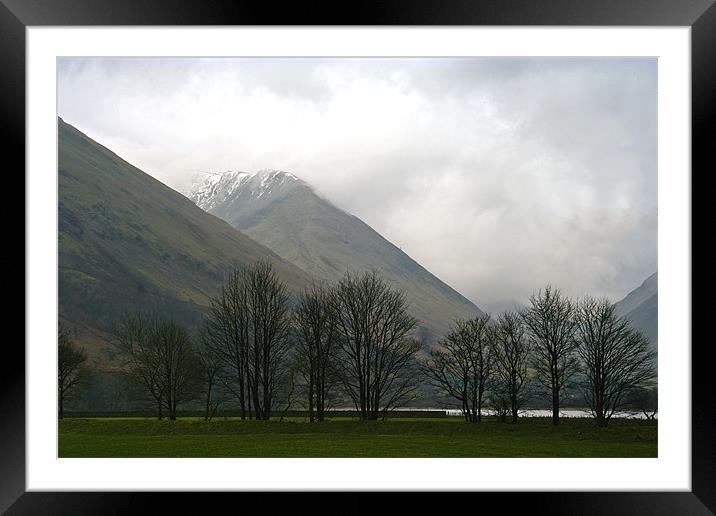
(260, 349)
(553, 344)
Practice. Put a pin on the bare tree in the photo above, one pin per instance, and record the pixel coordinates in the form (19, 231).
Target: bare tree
(227, 334)
(511, 356)
(70, 364)
(179, 373)
(461, 364)
(550, 321)
(248, 330)
(377, 363)
(617, 359)
(317, 326)
(269, 323)
(142, 358)
(160, 356)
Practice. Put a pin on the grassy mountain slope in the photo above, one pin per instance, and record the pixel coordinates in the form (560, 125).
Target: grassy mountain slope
(640, 306)
(285, 214)
(129, 242)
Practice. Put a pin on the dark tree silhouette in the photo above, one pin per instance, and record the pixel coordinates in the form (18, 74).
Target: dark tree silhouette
(142, 361)
(316, 347)
(180, 372)
(550, 322)
(461, 364)
(616, 359)
(160, 356)
(269, 323)
(248, 330)
(377, 363)
(228, 335)
(511, 360)
(70, 368)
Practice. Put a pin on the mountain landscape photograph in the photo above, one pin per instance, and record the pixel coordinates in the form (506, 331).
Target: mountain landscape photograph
(357, 257)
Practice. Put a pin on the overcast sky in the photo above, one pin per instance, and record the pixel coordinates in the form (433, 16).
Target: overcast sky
(498, 175)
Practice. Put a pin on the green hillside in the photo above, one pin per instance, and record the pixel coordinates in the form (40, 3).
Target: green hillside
(128, 242)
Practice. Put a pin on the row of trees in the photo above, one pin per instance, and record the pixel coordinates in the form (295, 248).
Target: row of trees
(354, 342)
(551, 344)
(350, 341)
(353, 337)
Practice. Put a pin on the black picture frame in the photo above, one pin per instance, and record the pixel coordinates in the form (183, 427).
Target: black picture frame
(699, 15)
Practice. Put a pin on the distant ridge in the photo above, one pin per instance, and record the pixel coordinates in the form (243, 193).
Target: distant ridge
(640, 306)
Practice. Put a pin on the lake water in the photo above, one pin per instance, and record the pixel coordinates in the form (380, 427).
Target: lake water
(562, 413)
(566, 413)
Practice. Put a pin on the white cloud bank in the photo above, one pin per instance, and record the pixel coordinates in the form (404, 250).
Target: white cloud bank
(498, 175)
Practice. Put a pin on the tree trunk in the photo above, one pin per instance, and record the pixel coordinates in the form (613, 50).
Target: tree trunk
(311, 383)
(61, 414)
(208, 403)
(172, 409)
(479, 404)
(248, 397)
(555, 407)
(320, 399)
(363, 408)
(601, 418)
(255, 396)
(242, 400)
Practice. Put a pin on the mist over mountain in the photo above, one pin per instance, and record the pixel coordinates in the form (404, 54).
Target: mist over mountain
(128, 242)
(285, 214)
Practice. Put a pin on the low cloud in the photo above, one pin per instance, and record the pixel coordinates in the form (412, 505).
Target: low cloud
(498, 175)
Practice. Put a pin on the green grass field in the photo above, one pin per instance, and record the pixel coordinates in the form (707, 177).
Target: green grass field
(452, 437)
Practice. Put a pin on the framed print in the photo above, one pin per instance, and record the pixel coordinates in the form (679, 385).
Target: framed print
(414, 249)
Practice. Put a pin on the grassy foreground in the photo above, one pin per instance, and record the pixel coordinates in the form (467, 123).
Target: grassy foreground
(190, 437)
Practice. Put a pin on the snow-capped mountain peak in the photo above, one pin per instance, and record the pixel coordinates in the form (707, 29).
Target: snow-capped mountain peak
(271, 178)
(217, 187)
